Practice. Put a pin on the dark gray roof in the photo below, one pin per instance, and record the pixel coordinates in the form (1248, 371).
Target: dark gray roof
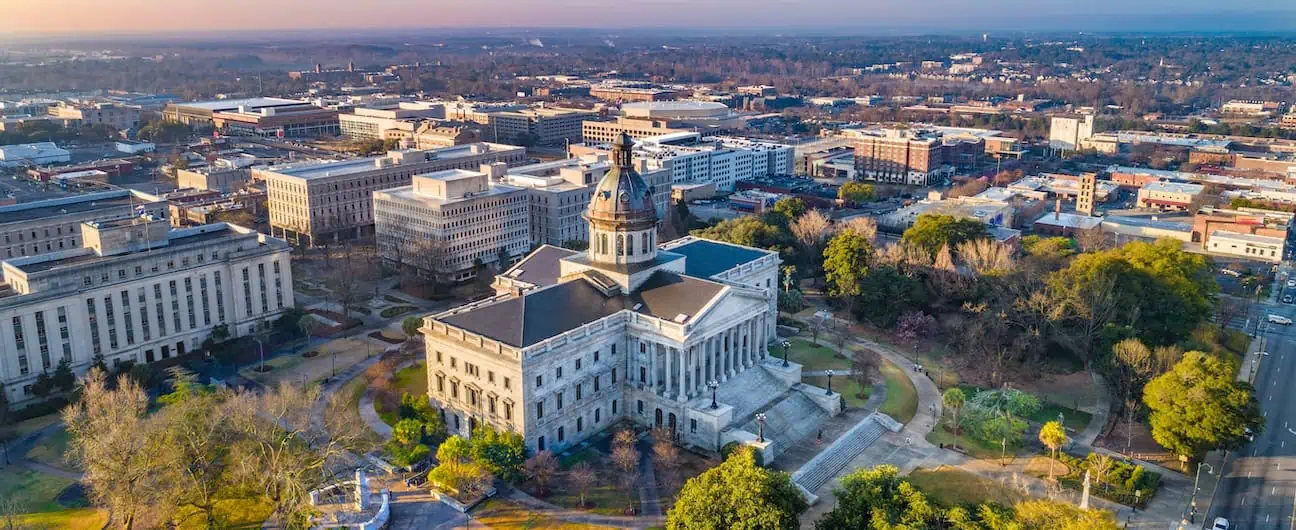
(541, 267)
(709, 258)
(544, 313)
(667, 295)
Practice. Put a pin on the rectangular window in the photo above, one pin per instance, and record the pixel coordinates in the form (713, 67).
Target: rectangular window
(220, 298)
(21, 346)
(161, 313)
(261, 279)
(540, 409)
(109, 315)
(143, 312)
(559, 373)
(202, 295)
(42, 339)
(189, 303)
(508, 383)
(247, 292)
(560, 400)
(126, 318)
(94, 326)
(539, 381)
(579, 388)
(614, 375)
(508, 411)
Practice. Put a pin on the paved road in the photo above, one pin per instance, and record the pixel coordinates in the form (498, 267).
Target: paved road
(1258, 488)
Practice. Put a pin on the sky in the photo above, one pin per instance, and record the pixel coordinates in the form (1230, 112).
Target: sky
(168, 16)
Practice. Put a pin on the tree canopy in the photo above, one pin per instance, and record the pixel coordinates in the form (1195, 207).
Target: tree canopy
(931, 232)
(856, 192)
(1198, 405)
(846, 262)
(738, 495)
(880, 499)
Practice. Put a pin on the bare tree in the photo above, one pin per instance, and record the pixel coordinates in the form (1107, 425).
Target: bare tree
(10, 509)
(811, 230)
(541, 468)
(582, 477)
(987, 257)
(121, 450)
(864, 226)
(1091, 240)
(864, 363)
(198, 435)
(291, 441)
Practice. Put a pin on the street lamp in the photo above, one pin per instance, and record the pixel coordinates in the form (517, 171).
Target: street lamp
(760, 433)
(261, 349)
(785, 344)
(713, 385)
(1192, 503)
(829, 373)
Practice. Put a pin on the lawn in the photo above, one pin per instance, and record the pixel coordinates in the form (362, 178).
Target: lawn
(50, 450)
(412, 380)
(506, 514)
(1074, 420)
(235, 513)
(815, 357)
(950, 486)
(35, 494)
(25, 427)
(971, 446)
(901, 396)
(397, 310)
(855, 396)
(353, 391)
(293, 367)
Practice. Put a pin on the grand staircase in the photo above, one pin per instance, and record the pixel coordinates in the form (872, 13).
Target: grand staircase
(820, 469)
(749, 392)
(790, 419)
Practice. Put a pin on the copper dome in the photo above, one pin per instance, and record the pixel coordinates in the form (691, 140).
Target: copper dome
(622, 199)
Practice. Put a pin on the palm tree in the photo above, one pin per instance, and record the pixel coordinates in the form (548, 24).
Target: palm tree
(1053, 436)
(954, 398)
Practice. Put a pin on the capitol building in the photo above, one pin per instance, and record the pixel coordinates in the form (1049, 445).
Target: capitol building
(629, 329)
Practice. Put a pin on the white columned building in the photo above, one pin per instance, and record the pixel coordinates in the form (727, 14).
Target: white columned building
(629, 329)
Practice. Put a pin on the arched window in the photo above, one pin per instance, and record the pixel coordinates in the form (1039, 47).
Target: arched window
(620, 250)
(644, 238)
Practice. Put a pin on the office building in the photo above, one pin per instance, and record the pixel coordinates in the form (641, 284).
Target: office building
(718, 160)
(305, 121)
(311, 201)
(918, 157)
(606, 132)
(1251, 246)
(577, 341)
(540, 125)
(399, 122)
(54, 225)
(448, 224)
(559, 191)
(224, 180)
(436, 135)
(135, 290)
(119, 117)
(1069, 133)
(200, 113)
(634, 92)
(1168, 195)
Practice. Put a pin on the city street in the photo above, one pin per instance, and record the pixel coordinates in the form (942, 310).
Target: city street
(1258, 488)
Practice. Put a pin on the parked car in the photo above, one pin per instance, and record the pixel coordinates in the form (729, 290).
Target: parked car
(1278, 319)
(1231, 272)
(1220, 524)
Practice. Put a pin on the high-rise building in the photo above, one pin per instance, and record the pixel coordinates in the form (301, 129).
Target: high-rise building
(319, 199)
(1069, 133)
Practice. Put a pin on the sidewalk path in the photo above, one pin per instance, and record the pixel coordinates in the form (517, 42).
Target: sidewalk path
(579, 517)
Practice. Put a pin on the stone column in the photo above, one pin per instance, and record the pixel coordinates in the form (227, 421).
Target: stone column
(747, 343)
(682, 394)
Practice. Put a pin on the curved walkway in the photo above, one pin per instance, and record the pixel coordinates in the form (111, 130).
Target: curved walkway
(370, 415)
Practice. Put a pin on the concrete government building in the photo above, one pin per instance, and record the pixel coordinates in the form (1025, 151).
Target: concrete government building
(575, 341)
(135, 290)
